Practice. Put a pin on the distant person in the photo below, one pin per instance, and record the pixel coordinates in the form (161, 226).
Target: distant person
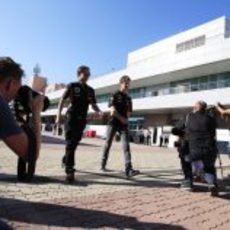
(166, 140)
(18, 139)
(147, 136)
(121, 108)
(80, 96)
(161, 140)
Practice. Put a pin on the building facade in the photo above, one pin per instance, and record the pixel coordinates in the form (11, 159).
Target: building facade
(170, 75)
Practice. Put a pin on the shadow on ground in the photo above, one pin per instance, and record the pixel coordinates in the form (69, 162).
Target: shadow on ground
(147, 179)
(86, 178)
(4, 226)
(63, 216)
(56, 140)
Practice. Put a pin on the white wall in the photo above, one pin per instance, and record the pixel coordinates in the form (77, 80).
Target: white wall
(159, 63)
(161, 58)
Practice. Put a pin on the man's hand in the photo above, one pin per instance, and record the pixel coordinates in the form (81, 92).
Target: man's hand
(99, 115)
(114, 113)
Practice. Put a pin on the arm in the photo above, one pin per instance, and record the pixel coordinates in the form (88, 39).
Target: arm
(94, 105)
(18, 143)
(96, 108)
(37, 107)
(179, 128)
(61, 104)
(223, 111)
(60, 107)
(11, 133)
(114, 113)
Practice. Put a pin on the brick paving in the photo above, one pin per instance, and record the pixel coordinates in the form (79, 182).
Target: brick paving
(98, 200)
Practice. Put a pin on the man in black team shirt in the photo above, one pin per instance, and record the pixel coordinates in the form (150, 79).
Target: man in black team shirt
(80, 96)
(121, 107)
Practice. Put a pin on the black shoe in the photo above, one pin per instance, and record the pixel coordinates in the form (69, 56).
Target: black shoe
(214, 190)
(131, 172)
(187, 185)
(70, 175)
(104, 169)
(70, 178)
(22, 178)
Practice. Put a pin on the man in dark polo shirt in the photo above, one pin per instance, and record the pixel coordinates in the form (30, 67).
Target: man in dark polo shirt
(80, 96)
(10, 132)
(121, 108)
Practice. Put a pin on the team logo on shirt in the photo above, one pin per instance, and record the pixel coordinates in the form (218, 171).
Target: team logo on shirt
(77, 90)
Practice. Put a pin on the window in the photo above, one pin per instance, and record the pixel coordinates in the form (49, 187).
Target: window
(190, 44)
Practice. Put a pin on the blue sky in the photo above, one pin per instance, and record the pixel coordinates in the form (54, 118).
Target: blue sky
(62, 34)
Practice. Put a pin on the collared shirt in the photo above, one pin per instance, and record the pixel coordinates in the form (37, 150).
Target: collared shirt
(8, 124)
(80, 95)
(122, 103)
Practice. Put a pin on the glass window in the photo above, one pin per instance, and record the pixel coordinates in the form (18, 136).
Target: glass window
(213, 78)
(203, 79)
(227, 83)
(192, 43)
(212, 85)
(203, 86)
(221, 84)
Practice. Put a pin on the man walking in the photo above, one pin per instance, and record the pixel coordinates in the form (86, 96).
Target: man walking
(80, 96)
(121, 108)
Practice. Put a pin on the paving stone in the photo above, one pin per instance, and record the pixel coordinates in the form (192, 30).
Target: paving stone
(98, 200)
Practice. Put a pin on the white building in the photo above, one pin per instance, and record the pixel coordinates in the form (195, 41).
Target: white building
(168, 76)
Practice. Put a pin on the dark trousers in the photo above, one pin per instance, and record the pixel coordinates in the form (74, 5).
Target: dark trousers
(206, 151)
(124, 132)
(185, 163)
(73, 134)
(186, 168)
(209, 167)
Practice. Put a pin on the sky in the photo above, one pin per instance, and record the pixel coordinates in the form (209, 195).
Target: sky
(60, 35)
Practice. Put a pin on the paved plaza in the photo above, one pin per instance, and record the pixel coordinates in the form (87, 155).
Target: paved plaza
(108, 200)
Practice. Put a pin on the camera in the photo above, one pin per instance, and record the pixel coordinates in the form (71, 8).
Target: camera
(211, 111)
(22, 102)
(177, 144)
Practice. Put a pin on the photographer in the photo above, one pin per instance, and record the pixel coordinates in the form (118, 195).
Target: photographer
(30, 120)
(201, 133)
(10, 132)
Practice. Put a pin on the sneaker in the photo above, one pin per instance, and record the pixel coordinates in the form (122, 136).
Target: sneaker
(213, 190)
(131, 172)
(22, 177)
(187, 185)
(199, 179)
(70, 178)
(104, 169)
